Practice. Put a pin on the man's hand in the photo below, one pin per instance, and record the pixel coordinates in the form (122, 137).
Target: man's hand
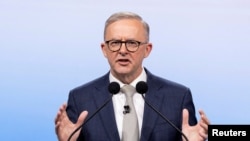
(64, 127)
(198, 132)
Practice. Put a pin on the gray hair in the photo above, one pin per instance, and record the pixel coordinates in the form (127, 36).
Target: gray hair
(126, 15)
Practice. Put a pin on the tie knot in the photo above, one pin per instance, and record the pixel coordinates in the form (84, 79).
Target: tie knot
(128, 90)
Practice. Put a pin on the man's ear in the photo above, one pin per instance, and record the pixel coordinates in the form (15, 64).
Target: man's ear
(103, 49)
(148, 50)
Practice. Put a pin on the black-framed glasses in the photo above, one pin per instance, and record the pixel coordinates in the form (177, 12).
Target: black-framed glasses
(131, 45)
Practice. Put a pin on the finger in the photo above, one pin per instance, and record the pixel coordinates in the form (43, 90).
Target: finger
(82, 118)
(63, 113)
(64, 105)
(185, 117)
(204, 117)
(203, 125)
(56, 117)
(57, 127)
(63, 108)
(60, 113)
(203, 135)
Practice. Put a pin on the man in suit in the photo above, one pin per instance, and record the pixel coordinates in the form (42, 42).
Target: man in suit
(126, 44)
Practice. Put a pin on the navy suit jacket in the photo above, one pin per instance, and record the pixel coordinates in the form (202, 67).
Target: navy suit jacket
(166, 96)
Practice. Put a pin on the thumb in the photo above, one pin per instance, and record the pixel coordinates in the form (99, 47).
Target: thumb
(185, 116)
(82, 118)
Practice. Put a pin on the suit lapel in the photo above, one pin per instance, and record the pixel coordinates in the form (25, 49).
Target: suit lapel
(106, 113)
(154, 98)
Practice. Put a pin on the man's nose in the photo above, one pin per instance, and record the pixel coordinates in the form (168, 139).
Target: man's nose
(123, 47)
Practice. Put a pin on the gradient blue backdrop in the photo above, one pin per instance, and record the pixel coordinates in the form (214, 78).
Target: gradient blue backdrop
(48, 47)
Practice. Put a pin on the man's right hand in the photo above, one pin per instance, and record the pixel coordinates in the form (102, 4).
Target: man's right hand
(64, 127)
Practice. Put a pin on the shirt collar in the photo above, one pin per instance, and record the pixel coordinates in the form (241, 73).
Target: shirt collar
(141, 77)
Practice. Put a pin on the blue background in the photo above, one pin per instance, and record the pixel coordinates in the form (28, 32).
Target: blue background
(48, 47)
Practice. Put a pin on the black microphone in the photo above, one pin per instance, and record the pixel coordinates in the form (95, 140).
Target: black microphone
(126, 109)
(113, 88)
(141, 88)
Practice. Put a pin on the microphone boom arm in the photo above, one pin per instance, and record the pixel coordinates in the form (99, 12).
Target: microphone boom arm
(113, 88)
(152, 107)
(79, 127)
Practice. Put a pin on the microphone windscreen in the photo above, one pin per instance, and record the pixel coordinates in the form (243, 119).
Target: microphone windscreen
(114, 87)
(141, 87)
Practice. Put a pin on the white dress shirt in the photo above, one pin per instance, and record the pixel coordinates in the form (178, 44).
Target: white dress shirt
(119, 101)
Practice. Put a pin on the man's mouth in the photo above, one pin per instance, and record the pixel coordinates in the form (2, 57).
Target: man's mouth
(123, 61)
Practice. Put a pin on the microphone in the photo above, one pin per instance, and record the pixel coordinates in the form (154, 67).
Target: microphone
(141, 88)
(113, 88)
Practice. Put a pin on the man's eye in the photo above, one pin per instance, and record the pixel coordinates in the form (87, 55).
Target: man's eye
(131, 43)
(115, 43)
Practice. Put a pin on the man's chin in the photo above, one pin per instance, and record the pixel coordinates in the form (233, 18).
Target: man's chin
(123, 70)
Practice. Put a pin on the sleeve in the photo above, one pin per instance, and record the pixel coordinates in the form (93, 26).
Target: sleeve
(72, 108)
(189, 105)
